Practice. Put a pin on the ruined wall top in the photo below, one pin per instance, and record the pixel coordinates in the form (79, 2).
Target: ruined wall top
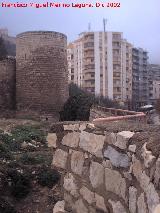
(52, 33)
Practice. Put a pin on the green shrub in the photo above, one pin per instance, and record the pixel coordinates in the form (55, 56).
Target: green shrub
(48, 177)
(4, 152)
(20, 134)
(79, 103)
(28, 133)
(77, 106)
(20, 184)
(32, 160)
(9, 141)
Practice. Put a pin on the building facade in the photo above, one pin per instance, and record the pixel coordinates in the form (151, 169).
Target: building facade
(102, 64)
(70, 61)
(140, 89)
(75, 57)
(154, 82)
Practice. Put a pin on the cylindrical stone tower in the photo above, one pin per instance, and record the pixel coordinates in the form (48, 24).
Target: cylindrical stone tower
(41, 72)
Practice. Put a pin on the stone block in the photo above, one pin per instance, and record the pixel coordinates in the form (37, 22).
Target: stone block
(87, 195)
(71, 127)
(82, 127)
(144, 180)
(92, 143)
(136, 167)
(147, 156)
(79, 207)
(70, 185)
(117, 159)
(90, 126)
(60, 158)
(59, 207)
(92, 209)
(100, 204)
(132, 199)
(117, 206)
(157, 209)
(123, 138)
(115, 183)
(141, 205)
(96, 174)
(71, 139)
(127, 175)
(77, 162)
(132, 148)
(111, 138)
(69, 202)
(52, 140)
(107, 164)
(152, 197)
(157, 173)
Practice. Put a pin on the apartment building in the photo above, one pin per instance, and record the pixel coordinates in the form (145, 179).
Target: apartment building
(70, 55)
(102, 64)
(154, 82)
(140, 90)
(126, 71)
(75, 61)
(156, 90)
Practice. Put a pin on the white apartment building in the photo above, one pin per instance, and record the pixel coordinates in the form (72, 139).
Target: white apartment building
(75, 62)
(156, 90)
(102, 64)
(70, 54)
(154, 83)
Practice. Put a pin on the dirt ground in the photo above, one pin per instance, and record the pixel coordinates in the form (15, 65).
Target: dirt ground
(40, 199)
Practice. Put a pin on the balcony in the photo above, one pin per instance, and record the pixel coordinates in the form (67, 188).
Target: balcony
(89, 55)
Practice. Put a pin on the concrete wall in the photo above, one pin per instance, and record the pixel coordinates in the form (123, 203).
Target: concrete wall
(7, 84)
(104, 171)
(41, 75)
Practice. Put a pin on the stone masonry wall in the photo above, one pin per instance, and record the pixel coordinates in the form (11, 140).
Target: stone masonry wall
(104, 171)
(7, 84)
(41, 71)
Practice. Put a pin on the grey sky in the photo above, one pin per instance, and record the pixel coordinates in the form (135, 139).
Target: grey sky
(139, 20)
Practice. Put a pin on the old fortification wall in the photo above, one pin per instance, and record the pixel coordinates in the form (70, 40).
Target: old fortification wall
(106, 171)
(7, 84)
(41, 71)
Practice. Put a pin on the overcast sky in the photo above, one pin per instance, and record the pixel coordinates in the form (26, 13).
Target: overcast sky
(139, 20)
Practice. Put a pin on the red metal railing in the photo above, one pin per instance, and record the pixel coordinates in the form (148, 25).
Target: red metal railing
(120, 115)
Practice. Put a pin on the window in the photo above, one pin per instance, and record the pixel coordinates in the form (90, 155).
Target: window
(92, 82)
(118, 89)
(116, 36)
(89, 44)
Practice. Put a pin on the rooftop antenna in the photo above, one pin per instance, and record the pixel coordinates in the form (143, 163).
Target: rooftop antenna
(89, 27)
(104, 24)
